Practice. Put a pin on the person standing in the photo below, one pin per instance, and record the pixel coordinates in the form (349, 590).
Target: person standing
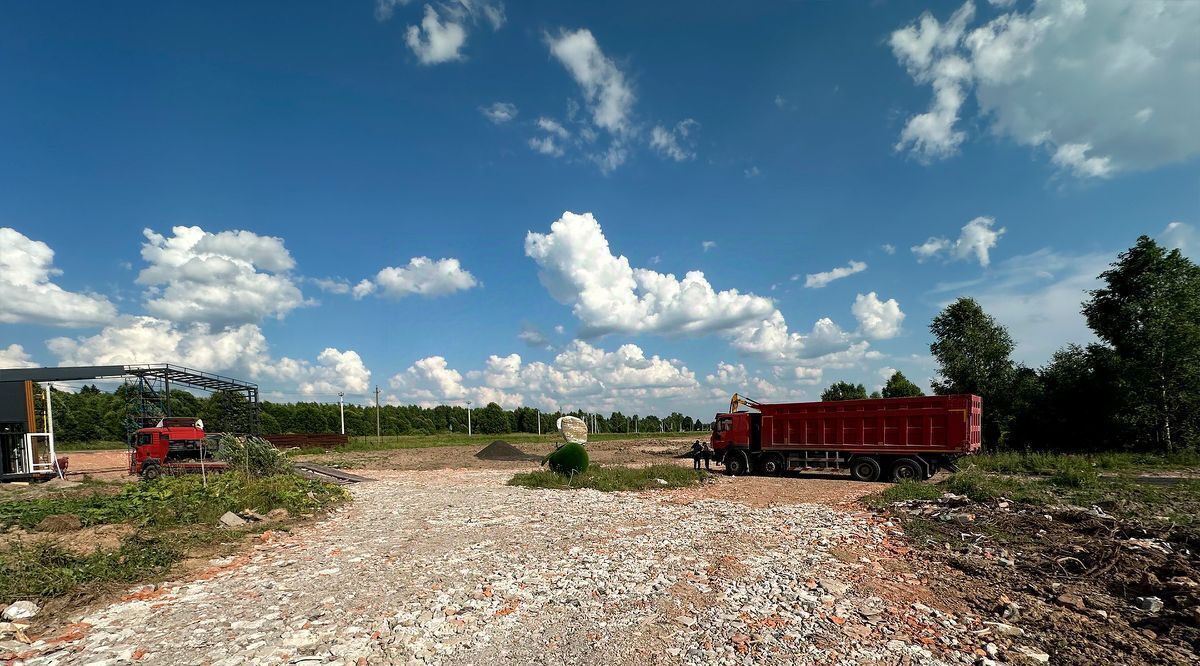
(706, 453)
(697, 453)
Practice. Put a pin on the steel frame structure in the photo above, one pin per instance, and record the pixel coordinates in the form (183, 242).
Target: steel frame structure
(147, 400)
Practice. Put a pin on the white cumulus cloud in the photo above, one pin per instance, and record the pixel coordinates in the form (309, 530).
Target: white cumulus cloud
(14, 356)
(975, 240)
(818, 280)
(581, 377)
(335, 371)
(608, 295)
(223, 279)
(422, 275)
(1102, 87)
(240, 350)
(877, 319)
(27, 294)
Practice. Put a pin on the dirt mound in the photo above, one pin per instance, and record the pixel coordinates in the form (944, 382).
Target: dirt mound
(61, 522)
(502, 450)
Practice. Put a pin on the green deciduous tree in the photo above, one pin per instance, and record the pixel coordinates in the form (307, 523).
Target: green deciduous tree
(1148, 311)
(899, 386)
(845, 391)
(974, 355)
(491, 420)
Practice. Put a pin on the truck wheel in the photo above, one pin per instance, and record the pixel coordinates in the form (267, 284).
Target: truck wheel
(907, 469)
(151, 472)
(865, 469)
(737, 463)
(773, 465)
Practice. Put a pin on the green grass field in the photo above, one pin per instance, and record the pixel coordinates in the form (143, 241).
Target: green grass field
(1055, 463)
(90, 445)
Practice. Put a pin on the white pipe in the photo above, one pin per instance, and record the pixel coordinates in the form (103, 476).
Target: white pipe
(50, 433)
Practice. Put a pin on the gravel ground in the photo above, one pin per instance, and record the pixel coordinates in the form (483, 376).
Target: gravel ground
(457, 568)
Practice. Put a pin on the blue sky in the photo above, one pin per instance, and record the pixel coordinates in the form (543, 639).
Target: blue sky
(1004, 151)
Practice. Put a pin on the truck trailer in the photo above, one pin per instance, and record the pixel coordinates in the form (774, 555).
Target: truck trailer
(881, 438)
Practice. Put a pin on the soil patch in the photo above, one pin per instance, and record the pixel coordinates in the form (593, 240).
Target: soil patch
(502, 450)
(82, 541)
(1083, 586)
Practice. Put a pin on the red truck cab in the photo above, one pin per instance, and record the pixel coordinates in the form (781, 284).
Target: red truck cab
(882, 438)
(174, 445)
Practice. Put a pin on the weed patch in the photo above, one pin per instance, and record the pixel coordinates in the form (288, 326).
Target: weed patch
(45, 569)
(173, 501)
(612, 478)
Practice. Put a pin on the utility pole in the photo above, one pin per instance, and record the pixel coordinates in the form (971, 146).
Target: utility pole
(342, 410)
(539, 413)
(468, 418)
(378, 435)
(635, 424)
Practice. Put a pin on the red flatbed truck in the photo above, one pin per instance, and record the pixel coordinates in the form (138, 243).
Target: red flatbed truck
(176, 445)
(881, 438)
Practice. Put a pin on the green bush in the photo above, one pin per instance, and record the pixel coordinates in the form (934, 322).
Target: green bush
(570, 458)
(613, 478)
(252, 455)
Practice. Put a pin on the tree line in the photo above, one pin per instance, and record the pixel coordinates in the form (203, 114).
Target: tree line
(1137, 388)
(93, 414)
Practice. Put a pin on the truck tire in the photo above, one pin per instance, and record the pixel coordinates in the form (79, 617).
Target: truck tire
(772, 464)
(737, 463)
(151, 471)
(865, 468)
(907, 469)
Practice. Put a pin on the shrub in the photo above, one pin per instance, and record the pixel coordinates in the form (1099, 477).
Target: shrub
(252, 455)
(570, 458)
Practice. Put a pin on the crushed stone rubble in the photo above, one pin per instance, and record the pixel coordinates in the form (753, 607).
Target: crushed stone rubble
(458, 568)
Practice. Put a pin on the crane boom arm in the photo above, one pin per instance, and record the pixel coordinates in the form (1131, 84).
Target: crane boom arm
(739, 400)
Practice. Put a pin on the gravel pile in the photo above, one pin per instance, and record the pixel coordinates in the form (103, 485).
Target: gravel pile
(502, 450)
(457, 568)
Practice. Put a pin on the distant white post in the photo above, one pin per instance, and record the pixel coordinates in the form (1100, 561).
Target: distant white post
(342, 410)
(468, 418)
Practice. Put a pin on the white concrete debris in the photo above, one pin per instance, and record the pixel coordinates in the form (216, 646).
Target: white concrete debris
(20, 610)
(457, 568)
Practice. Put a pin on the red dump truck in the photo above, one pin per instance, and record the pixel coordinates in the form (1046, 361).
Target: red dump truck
(881, 438)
